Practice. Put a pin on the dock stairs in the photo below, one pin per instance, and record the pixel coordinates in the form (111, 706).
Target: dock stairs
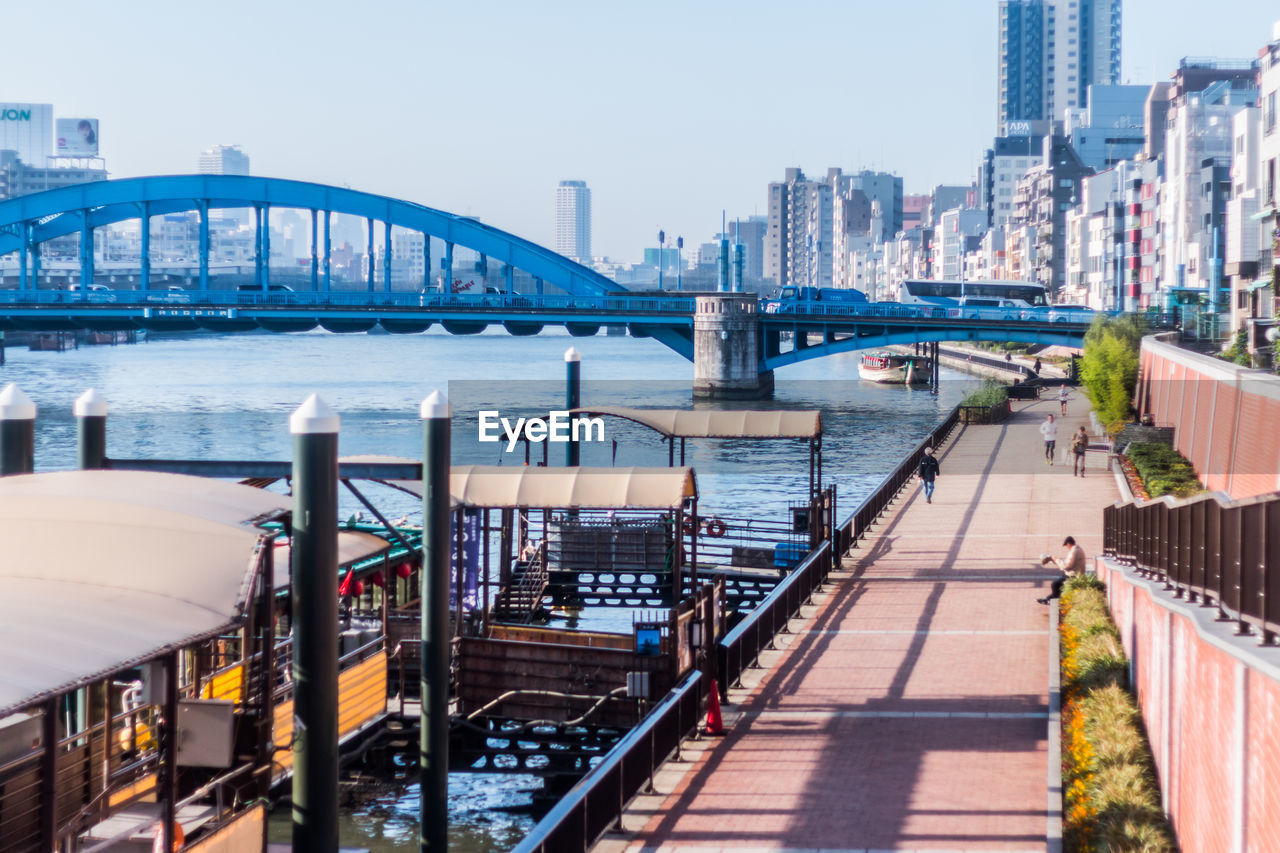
(520, 598)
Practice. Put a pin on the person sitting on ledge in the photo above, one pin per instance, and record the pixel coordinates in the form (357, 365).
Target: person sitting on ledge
(1071, 565)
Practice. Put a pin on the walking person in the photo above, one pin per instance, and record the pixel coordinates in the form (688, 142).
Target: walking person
(1049, 432)
(1062, 399)
(1036, 367)
(929, 470)
(1071, 565)
(1079, 446)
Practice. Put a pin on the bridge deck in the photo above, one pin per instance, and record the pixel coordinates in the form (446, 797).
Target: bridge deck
(911, 711)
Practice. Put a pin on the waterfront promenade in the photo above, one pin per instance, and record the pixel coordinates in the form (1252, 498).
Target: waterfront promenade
(911, 709)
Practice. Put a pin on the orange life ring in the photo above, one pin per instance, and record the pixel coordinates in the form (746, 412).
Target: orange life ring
(179, 838)
(716, 528)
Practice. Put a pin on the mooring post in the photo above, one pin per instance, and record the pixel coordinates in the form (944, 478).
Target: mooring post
(433, 760)
(91, 431)
(314, 573)
(17, 432)
(573, 399)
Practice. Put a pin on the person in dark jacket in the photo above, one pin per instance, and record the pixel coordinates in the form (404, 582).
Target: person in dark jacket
(929, 470)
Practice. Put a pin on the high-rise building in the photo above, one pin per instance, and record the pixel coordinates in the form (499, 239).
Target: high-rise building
(28, 130)
(223, 160)
(1051, 51)
(798, 246)
(573, 221)
(18, 178)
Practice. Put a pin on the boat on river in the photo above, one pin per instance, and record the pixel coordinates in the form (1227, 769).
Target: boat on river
(895, 368)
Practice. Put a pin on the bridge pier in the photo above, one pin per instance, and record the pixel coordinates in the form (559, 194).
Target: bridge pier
(726, 349)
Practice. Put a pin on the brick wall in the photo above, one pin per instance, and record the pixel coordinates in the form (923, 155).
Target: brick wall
(1226, 418)
(1210, 701)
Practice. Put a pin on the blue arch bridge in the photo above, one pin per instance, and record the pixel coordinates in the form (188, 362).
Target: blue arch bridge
(733, 339)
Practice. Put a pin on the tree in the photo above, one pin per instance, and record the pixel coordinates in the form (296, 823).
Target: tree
(1109, 367)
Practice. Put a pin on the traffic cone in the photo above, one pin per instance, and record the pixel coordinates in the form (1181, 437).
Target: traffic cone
(715, 723)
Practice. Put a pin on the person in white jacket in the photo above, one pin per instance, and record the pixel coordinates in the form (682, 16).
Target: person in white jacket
(1049, 431)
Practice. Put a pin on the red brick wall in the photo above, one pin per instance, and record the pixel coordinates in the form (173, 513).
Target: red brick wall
(1226, 418)
(1212, 717)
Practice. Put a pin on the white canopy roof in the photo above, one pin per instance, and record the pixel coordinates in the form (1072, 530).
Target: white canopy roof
(719, 423)
(104, 569)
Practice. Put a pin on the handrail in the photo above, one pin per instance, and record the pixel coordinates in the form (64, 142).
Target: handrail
(1221, 552)
(860, 520)
(593, 805)
(741, 646)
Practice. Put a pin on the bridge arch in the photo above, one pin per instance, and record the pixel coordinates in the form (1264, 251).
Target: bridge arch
(29, 220)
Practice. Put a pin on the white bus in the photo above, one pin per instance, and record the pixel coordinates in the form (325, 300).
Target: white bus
(994, 294)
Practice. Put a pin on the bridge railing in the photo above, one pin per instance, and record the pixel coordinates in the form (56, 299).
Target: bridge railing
(349, 298)
(742, 645)
(871, 508)
(1219, 552)
(594, 804)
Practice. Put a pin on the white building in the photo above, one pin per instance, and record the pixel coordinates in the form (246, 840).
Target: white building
(956, 228)
(223, 160)
(573, 221)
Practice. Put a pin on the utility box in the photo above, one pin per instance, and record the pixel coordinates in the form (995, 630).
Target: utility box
(204, 732)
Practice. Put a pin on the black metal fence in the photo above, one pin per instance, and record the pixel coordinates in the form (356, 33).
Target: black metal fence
(1210, 549)
(857, 524)
(593, 805)
(742, 645)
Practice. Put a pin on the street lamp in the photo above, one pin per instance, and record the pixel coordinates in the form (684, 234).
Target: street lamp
(662, 242)
(679, 263)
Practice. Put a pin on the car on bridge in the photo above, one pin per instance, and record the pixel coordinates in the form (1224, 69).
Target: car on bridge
(94, 293)
(173, 293)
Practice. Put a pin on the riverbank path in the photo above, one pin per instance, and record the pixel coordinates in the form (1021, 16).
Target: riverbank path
(911, 709)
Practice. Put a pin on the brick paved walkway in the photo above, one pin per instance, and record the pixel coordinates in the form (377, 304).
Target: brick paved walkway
(911, 711)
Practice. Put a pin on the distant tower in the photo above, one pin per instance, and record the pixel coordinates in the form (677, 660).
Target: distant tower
(573, 221)
(223, 160)
(1051, 51)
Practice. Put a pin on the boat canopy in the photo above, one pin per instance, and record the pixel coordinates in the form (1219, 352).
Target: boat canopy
(353, 546)
(103, 570)
(510, 486)
(719, 423)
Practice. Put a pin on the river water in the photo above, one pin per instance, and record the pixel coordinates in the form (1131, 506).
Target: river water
(229, 397)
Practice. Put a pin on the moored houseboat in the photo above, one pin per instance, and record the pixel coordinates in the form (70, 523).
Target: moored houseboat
(894, 368)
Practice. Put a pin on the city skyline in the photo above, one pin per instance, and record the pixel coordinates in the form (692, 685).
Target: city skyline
(370, 115)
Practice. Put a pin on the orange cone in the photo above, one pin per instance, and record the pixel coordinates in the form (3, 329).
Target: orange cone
(715, 723)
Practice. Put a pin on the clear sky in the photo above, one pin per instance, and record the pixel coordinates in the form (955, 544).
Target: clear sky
(670, 110)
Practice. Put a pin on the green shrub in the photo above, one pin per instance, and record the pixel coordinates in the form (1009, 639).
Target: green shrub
(992, 393)
(1164, 471)
(1109, 367)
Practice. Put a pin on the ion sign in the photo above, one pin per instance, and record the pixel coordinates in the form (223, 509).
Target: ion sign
(77, 137)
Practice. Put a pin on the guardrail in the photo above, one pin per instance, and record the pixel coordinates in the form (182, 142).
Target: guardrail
(991, 362)
(1209, 548)
(348, 299)
(856, 525)
(741, 646)
(784, 308)
(593, 805)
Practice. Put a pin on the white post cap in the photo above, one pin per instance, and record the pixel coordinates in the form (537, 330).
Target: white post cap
(435, 407)
(572, 354)
(15, 405)
(90, 404)
(313, 417)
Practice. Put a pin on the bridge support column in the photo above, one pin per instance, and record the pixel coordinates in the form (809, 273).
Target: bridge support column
(426, 261)
(386, 258)
(509, 278)
(327, 246)
(369, 246)
(86, 254)
(315, 261)
(266, 247)
(448, 268)
(204, 244)
(144, 230)
(257, 244)
(22, 256)
(726, 349)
